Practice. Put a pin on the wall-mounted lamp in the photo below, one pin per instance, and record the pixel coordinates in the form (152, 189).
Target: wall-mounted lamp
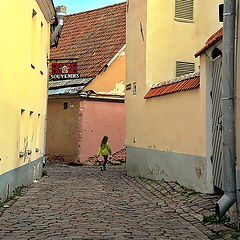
(21, 154)
(29, 151)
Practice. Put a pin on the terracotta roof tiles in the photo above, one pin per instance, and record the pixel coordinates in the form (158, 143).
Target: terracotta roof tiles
(94, 37)
(212, 40)
(180, 84)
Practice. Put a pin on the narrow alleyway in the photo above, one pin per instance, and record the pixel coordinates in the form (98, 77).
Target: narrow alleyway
(85, 203)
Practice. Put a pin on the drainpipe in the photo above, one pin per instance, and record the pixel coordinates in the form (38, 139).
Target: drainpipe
(60, 14)
(229, 144)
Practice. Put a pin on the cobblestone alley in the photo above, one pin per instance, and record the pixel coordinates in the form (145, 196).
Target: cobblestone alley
(84, 203)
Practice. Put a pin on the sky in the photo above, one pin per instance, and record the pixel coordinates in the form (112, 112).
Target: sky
(75, 6)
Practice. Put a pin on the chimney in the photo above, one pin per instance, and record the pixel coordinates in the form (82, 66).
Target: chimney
(60, 14)
(61, 9)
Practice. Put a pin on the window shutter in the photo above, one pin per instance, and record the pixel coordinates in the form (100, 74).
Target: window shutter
(184, 9)
(183, 68)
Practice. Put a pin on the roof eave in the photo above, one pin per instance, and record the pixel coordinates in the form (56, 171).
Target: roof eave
(47, 8)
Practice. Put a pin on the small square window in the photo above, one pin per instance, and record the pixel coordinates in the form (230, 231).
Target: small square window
(34, 13)
(128, 86)
(65, 105)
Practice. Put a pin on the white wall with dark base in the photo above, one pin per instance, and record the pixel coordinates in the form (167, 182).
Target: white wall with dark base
(188, 170)
(21, 176)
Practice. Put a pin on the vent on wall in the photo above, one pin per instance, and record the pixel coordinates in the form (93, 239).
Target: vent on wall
(184, 10)
(183, 68)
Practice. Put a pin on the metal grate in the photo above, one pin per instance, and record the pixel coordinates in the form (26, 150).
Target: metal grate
(183, 68)
(184, 9)
(217, 144)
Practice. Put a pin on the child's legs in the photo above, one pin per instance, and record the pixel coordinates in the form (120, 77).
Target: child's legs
(105, 161)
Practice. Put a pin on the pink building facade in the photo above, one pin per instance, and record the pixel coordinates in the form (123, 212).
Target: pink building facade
(89, 103)
(97, 119)
(76, 126)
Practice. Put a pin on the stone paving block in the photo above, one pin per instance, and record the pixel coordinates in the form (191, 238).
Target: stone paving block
(76, 202)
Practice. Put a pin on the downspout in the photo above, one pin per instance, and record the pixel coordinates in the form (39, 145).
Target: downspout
(229, 144)
(61, 13)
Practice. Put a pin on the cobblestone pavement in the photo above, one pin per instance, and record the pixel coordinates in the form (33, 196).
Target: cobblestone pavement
(85, 203)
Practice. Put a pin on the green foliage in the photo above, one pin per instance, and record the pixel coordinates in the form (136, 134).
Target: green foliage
(213, 236)
(192, 193)
(16, 192)
(10, 198)
(235, 235)
(44, 173)
(215, 219)
(96, 164)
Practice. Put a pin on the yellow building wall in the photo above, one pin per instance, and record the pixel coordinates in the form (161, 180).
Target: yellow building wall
(169, 40)
(135, 69)
(168, 124)
(112, 80)
(63, 128)
(24, 41)
(166, 41)
(167, 135)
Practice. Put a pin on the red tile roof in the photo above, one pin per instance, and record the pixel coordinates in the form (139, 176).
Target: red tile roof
(94, 37)
(213, 39)
(172, 87)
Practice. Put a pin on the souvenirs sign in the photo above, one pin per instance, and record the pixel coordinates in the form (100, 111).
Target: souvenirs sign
(62, 71)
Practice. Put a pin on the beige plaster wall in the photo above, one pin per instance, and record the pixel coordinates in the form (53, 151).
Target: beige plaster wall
(135, 66)
(169, 40)
(170, 131)
(112, 80)
(175, 122)
(63, 128)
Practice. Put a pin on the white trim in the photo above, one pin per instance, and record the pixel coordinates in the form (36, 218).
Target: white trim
(218, 45)
(117, 55)
(47, 9)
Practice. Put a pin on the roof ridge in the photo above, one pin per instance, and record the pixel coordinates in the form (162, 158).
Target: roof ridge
(96, 9)
(177, 79)
(93, 38)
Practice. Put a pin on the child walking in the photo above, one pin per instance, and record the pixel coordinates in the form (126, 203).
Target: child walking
(105, 151)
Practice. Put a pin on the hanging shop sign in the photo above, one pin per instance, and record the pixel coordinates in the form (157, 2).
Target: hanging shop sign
(62, 71)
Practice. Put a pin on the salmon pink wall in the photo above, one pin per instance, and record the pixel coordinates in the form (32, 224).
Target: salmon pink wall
(99, 118)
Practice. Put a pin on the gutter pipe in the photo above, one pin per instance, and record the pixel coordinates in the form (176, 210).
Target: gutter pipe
(229, 144)
(60, 16)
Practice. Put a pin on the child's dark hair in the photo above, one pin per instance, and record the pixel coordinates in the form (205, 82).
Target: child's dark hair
(104, 141)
